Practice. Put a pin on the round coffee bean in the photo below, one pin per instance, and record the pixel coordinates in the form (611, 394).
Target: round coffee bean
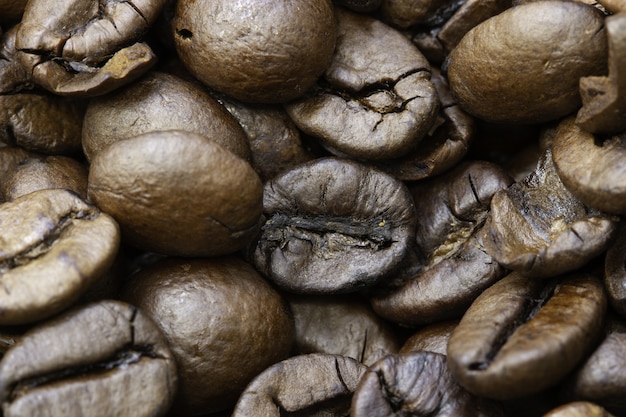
(539, 49)
(308, 385)
(104, 358)
(521, 336)
(333, 225)
(256, 50)
(177, 193)
(223, 322)
(53, 246)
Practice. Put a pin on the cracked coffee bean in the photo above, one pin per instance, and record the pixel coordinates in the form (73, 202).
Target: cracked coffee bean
(333, 225)
(451, 211)
(522, 336)
(416, 384)
(539, 49)
(375, 100)
(256, 51)
(223, 322)
(305, 385)
(345, 326)
(53, 247)
(104, 358)
(538, 228)
(177, 193)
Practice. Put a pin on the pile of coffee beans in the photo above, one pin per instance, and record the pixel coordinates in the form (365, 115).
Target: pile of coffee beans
(346, 208)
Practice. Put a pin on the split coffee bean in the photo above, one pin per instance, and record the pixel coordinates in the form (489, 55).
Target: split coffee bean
(333, 225)
(223, 322)
(304, 385)
(101, 359)
(375, 100)
(522, 335)
(177, 193)
(53, 247)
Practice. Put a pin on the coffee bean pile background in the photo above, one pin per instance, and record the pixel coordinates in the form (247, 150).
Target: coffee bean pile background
(312, 208)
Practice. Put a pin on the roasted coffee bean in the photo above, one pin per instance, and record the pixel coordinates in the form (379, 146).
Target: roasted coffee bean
(10, 158)
(591, 166)
(375, 100)
(539, 49)
(333, 225)
(256, 51)
(604, 98)
(177, 193)
(451, 210)
(521, 336)
(159, 102)
(13, 76)
(86, 48)
(104, 358)
(41, 122)
(43, 173)
(579, 409)
(601, 378)
(223, 322)
(443, 146)
(53, 246)
(615, 272)
(345, 326)
(537, 227)
(433, 338)
(416, 384)
(304, 385)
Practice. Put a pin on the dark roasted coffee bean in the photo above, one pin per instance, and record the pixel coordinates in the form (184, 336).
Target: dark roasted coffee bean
(304, 385)
(537, 227)
(53, 246)
(223, 322)
(273, 54)
(539, 49)
(451, 210)
(177, 193)
(375, 100)
(591, 166)
(416, 384)
(43, 173)
(104, 358)
(86, 48)
(345, 326)
(333, 225)
(521, 336)
(159, 102)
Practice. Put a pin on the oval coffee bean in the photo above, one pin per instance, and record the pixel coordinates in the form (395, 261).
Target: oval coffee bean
(177, 193)
(102, 359)
(223, 322)
(591, 167)
(53, 247)
(416, 384)
(539, 49)
(521, 336)
(333, 225)
(579, 409)
(307, 385)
